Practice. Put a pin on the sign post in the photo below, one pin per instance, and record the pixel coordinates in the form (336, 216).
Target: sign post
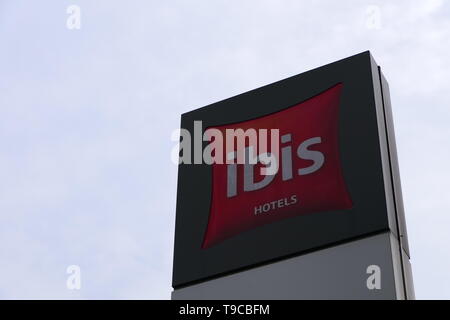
(292, 191)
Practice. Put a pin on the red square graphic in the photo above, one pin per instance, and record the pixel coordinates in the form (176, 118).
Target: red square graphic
(309, 178)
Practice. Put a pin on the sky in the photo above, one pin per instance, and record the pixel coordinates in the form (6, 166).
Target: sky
(86, 117)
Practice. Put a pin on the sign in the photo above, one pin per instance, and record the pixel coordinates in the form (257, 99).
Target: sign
(309, 177)
(326, 177)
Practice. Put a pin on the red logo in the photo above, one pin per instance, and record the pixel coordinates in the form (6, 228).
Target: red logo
(309, 177)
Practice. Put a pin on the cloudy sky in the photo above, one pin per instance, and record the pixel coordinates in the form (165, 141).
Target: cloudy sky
(86, 117)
